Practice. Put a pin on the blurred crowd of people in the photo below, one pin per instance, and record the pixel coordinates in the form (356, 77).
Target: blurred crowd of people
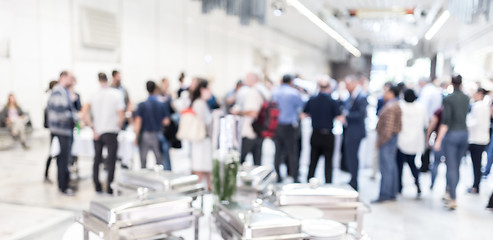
(412, 124)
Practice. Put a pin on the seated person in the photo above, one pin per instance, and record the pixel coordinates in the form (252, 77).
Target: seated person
(12, 117)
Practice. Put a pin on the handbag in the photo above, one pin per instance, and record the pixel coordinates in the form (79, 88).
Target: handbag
(191, 127)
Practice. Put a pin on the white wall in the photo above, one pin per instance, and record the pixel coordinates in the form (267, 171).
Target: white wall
(158, 38)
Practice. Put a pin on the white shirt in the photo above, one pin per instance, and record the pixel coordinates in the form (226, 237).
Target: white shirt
(105, 105)
(431, 98)
(411, 138)
(250, 99)
(478, 123)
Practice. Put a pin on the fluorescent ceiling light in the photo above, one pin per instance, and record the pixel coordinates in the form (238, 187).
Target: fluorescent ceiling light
(326, 28)
(437, 25)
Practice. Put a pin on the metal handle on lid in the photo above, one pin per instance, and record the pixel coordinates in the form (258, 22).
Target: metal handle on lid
(142, 192)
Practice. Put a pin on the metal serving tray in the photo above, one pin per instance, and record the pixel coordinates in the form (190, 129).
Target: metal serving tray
(314, 194)
(256, 178)
(158, 180)
(256, 222)
(141, 208)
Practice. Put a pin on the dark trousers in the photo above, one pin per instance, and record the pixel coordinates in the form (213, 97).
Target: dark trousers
(490, 203)
(351, 149)
(322, 143)
(253, 146)
(48, 161)
(285, 140)
(409, 159)
(425, 160)
(63, 161)
(110, 141)
(476, 154)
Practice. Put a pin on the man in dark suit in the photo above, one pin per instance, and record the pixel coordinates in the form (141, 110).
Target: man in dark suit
(354, 112)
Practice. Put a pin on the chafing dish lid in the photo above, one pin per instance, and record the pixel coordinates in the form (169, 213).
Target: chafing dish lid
(249, 173)
(314, 189)
(124, 203)
(158, 175)
(264, 216)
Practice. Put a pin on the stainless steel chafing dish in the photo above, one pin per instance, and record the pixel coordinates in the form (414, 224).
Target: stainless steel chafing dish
(158, 179)
(256, 178)
(337, 202)
(255, 222)
(139, 216)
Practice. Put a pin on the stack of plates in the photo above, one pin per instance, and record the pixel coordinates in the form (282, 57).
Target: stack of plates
(323, 229)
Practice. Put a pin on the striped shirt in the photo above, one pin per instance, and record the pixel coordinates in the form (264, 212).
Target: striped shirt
(61, 114)
(389, 122)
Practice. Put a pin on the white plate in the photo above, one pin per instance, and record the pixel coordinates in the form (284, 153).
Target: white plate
(302, 212)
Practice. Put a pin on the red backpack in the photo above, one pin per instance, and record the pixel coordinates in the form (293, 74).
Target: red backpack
(266, 123)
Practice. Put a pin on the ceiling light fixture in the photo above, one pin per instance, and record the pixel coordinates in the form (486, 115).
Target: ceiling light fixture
(326, 28)
(437, 25)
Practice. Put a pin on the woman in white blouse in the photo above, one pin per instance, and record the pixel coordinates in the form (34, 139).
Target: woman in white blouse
(411, 139)
(202, 149)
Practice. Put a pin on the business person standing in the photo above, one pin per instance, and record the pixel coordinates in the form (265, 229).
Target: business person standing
(354, 125)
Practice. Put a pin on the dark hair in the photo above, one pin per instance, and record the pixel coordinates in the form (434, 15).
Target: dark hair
(457, 81)
(287, 78)
(63, 74)
(409, 95)
(181, 77)
(202, 83)
(150, 86)
(114, 73)
(483, 91)
(102, 77)
(395, 90)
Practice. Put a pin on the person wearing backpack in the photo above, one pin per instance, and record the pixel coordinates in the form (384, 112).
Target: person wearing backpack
(290, 104)
(249, 102)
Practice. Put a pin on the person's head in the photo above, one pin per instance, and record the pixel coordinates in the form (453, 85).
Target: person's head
(391, 93)
(193, 84)
(66, 79)
(480, 94)
(423, 81)
(164, 85)
(115, 74)
(201, 91)
(323, 82)
(102, 78)
(287, 79)
(239, 84)
(410, 95)
(457, 81)
(151, 87)
(251, 79)
(51, 85)
(352, 82)
(11, 100)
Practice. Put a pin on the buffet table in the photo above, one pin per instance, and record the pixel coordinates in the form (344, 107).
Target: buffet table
(83, 145)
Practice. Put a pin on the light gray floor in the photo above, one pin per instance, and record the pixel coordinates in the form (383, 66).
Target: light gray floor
(31, 209)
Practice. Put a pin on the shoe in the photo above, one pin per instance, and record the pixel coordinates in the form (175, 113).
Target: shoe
(25, 146)
(381, 200)
(446, 197)
(451, 205)
(418, 190)
(473, 190)
(68, 192)
(47, 180)
(124, 166)
(489, 208)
